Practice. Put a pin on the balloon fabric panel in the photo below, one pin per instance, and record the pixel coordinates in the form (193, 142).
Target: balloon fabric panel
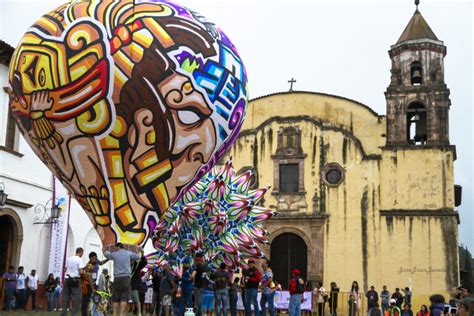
(128, 104)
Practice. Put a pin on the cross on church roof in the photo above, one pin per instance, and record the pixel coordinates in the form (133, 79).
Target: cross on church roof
(291, 83)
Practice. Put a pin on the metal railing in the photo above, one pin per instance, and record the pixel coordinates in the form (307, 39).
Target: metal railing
(340, 303)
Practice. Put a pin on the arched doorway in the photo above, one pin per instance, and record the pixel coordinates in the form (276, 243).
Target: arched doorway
(11, 237)
(288, 252)
(6, 242)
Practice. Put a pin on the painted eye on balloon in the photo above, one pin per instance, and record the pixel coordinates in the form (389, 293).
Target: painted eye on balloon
(188, 117)
(187, 88)
(41, 77)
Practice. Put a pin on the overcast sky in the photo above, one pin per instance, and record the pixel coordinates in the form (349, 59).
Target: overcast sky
(336, 47)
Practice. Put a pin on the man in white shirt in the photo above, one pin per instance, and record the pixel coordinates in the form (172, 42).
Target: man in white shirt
(72, 283)
(31, 287)
(21, 289)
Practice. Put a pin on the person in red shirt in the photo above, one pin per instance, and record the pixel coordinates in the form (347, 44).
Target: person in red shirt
(252, 277)
(297, 288)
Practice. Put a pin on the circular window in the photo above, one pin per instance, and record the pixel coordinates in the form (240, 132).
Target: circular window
(333, 174)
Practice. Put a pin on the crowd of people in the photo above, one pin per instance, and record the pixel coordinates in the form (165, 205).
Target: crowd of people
(20, 288)
(204, 291)
(398, 303)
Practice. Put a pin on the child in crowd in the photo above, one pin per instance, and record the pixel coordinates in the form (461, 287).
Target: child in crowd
(57, 295)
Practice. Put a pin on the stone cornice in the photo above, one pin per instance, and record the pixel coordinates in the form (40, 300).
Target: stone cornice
(444, 147)
(441, 212)
(291, 119)
(20, 204)
(298, 216)
(11, 151)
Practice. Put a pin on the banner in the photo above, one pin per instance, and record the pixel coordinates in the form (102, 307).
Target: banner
(282, 300)
(58, 230)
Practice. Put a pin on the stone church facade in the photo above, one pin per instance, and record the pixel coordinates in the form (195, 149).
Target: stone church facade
(362, 196)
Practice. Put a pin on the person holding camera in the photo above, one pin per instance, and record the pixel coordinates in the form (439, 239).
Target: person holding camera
(72, 283)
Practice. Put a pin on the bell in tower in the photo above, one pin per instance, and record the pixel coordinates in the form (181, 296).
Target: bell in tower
(416, 73)
(417, 97)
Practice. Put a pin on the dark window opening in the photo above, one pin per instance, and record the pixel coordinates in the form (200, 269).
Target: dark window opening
(289, 141)
(10, 141)
(457, 195)
(288, 251)
(289, 135)
(416, 124)
(333, 176)
(289, 178)
(416, 73)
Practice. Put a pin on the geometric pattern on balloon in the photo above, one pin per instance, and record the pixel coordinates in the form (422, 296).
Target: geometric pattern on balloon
(220, 217)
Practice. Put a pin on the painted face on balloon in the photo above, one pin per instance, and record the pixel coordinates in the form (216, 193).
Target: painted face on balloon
(191, 116)
(127, 103)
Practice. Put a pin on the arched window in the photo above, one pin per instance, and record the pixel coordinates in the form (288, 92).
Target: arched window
(416, 73)
(416, 124)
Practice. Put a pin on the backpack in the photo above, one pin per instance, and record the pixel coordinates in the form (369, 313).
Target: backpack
(300, 285)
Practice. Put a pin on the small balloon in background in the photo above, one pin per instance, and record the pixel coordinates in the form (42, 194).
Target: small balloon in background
(219, 218)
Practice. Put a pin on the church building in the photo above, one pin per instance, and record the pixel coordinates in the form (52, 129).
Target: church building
(359, 195)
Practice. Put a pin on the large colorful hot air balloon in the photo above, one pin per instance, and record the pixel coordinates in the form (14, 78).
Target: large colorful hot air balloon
(128, 103)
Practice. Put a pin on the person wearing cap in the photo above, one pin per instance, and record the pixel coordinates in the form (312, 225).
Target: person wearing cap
(252, 277)
(297, 288)
(187, 286)
(466, 306)
(393, 309)
(122, 272)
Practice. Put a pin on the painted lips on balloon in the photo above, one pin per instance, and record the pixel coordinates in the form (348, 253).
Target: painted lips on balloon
(125, 81)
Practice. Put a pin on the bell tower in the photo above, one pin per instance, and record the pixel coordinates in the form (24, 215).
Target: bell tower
(417, 97)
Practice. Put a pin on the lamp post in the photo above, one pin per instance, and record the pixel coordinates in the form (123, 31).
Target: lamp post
(46, 212)
(3, 195)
